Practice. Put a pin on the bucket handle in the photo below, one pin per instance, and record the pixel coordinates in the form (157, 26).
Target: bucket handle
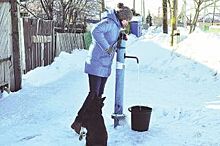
(129, 109)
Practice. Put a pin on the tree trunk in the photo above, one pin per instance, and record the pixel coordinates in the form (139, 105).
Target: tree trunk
(165, 24)
(173, 21)
(213, 17)
(194, 21)
(175, 13)
(63, 20)
(103, 5)
(57, 12)
(170, 8)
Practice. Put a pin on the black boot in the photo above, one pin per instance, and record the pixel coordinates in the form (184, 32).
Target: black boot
(82, 116)
(96, 130)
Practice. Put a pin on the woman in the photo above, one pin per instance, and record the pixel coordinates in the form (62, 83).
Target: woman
(98, 67)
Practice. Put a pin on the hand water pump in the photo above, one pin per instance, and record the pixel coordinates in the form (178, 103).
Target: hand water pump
(119, 85)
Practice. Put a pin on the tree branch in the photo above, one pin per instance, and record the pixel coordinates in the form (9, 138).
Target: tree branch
(25, 7)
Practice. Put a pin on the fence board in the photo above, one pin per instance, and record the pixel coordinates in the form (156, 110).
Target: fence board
(5, 43)
(27, 44)
(38, 40)
(69, 41)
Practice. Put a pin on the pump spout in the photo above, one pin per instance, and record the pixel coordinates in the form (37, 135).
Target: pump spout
(134, 57)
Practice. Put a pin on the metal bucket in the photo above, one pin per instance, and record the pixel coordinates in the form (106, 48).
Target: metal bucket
(140, 117)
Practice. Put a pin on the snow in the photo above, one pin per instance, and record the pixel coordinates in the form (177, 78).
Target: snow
(180, 83)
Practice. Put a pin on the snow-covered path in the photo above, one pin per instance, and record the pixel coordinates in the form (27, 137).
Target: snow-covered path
(183, 93)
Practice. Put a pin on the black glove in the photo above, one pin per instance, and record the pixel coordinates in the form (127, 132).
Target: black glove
(110, 50)
(117, 44)
(122, 36)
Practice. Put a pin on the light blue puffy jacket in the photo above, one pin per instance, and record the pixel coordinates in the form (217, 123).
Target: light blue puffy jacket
(104, 34)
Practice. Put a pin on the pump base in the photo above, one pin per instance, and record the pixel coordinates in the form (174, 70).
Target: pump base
(118, 118)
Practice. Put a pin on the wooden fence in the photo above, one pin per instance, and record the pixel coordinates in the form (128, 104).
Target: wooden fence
(38, 43)
(69, 41)
(42, 44)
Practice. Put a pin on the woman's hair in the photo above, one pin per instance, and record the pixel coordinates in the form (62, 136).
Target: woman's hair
(120, 5)
(124, 13)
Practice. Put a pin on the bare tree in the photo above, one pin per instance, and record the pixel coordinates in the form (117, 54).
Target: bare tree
(47, 6)
(73, 13)
(214, 9)
(199, 6)
(67, 13)
(32, 7)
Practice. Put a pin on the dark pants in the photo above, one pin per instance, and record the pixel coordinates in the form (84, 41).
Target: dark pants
(96, 89)
(97, 84)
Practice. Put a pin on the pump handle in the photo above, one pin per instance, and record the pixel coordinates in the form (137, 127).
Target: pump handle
(134, 57)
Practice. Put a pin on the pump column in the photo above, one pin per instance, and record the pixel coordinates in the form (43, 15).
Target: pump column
(119, 85)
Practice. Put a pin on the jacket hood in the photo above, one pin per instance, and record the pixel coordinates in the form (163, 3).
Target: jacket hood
(111, 14)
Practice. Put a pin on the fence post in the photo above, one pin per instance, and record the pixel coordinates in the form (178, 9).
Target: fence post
(15, 47)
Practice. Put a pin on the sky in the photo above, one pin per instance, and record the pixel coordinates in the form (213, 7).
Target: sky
(154, 7)
(180, 84)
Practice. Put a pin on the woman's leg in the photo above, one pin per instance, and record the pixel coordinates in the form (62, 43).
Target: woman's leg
(102, 86)
(96, 87)
(97, 84)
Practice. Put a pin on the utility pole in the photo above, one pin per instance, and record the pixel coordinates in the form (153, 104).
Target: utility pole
(184, 13)
(144, 17)
(16, 61)
(141, 7)
(134, 4)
